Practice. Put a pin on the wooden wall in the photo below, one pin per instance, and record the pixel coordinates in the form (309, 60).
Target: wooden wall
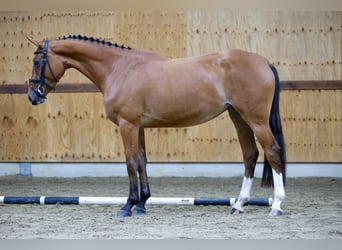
(73, 127)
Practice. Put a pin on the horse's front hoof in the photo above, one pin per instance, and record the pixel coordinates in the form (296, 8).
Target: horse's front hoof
(139, 211)
(275, 212)
(235, 211)
(124, 213)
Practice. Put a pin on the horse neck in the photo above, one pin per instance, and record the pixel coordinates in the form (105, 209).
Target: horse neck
(95, 61)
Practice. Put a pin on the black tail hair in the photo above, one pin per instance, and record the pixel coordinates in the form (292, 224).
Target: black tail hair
(275, 124)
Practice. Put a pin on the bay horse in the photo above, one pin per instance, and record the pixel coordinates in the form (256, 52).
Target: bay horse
(142, 89)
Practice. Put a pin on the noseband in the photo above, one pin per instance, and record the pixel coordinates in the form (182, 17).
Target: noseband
(40, 89)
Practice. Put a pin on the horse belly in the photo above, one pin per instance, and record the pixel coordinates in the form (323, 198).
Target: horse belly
(184, 116)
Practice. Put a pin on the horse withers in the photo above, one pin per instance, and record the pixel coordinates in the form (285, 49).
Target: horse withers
(142, 89)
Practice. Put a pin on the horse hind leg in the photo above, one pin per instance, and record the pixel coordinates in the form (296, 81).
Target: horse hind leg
(273, 155)
(250, 155)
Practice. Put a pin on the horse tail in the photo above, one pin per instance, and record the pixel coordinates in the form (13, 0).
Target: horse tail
(276, 128)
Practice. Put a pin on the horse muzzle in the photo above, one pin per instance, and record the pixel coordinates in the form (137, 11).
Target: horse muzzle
(35, 97)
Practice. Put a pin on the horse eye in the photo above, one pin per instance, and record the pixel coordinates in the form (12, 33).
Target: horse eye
(36, 62)
(41, 90)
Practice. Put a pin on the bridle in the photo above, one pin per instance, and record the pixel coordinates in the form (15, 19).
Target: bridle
(42, 82)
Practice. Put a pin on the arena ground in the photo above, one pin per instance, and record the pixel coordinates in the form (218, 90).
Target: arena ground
(313, 209)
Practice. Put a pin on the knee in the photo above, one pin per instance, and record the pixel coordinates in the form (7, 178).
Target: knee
(250, 161)
(251, 156)
(132, 167)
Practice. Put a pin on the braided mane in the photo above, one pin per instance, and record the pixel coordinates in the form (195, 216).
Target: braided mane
(95, 40)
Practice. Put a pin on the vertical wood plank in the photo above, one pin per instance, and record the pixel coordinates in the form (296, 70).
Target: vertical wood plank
(69, 127)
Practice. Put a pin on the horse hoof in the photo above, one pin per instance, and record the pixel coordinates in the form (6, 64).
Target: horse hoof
(124, 213)
(139, 211)
(275, 212)
(235, 211)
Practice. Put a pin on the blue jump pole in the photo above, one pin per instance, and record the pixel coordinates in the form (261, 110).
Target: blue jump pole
(122, 200)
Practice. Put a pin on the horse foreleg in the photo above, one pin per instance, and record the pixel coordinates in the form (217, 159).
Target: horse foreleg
(130, 137)
(144, 186)
(250, 155)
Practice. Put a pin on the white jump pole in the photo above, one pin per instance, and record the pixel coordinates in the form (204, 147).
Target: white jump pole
(122, 200)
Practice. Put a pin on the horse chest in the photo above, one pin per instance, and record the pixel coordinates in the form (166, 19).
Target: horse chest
(117, 111)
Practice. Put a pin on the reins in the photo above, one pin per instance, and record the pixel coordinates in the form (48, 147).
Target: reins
(42, 82)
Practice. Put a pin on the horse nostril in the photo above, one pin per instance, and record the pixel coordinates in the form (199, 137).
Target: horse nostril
(32, 102)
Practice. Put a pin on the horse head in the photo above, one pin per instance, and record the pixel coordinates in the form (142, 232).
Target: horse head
(46, 72)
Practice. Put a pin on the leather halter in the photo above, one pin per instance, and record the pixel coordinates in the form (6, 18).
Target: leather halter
(42, 82)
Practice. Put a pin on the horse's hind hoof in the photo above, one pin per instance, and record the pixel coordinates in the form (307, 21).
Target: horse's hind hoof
(124, 213)
(275, 212)
(235, 211)
(139, 211)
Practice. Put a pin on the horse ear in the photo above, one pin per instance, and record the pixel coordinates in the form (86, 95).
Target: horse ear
(34, 41)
